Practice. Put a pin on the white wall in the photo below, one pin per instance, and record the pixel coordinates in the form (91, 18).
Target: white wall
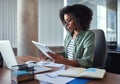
(50, 26)
(8, 21)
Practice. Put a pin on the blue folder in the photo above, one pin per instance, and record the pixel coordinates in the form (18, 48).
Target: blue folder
(79, 81)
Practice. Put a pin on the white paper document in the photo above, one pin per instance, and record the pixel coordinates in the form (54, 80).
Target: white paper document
(49, 64)
(43, 48)
(53, 78)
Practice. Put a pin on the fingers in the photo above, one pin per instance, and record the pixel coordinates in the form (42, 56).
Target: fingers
(49, 53)
(42, 57)
(45, 58)
(53, 55)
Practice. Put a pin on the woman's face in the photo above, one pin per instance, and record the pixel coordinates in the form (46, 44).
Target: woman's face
(70, 22)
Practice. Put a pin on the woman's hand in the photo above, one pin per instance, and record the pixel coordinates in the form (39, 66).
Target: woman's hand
(42, 57)
(45, 58)
(57, 57)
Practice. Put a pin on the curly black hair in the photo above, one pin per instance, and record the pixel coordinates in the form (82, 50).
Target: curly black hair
(81, 13)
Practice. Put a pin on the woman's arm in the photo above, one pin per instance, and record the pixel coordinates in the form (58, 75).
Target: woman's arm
(60, 59)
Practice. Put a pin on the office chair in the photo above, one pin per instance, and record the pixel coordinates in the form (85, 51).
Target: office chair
(1, 60)
(100, 54)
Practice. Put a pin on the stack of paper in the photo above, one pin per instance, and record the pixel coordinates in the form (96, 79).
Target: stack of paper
(49, 64)
(53, 78)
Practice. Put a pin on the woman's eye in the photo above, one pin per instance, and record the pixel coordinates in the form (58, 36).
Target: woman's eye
(68, 21)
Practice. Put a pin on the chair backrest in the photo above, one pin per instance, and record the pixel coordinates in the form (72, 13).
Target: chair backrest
(100, 55)
(1, 60)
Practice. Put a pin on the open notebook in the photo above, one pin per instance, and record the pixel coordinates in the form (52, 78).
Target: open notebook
(9, 57)
(84, 73)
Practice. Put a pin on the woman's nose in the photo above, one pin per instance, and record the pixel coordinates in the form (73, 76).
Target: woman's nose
(67, 24)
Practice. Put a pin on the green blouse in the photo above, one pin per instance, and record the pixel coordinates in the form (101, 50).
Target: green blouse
(83, 48)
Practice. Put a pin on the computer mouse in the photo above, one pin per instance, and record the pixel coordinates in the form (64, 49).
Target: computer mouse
(31, 61)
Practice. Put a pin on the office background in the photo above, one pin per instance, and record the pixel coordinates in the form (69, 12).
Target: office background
(50, 30)
(22, 21)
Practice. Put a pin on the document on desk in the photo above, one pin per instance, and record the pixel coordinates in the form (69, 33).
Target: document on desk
(53, 78)
(49, 64)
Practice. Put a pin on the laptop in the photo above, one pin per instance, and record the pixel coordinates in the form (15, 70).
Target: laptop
(7, 53)
(9, 57)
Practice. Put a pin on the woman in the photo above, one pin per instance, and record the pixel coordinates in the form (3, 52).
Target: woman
(79, 42)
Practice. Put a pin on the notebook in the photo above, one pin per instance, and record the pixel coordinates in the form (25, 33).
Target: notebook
(84, 73)
(7, 53)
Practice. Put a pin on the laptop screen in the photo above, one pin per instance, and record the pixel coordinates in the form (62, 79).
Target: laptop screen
(7, 53)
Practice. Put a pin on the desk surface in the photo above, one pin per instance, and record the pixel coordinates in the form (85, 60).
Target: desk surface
(5, 74)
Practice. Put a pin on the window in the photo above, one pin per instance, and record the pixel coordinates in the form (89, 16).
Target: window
(101, 17)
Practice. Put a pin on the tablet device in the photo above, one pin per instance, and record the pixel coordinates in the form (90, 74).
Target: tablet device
(7, 53)
(43, 48)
